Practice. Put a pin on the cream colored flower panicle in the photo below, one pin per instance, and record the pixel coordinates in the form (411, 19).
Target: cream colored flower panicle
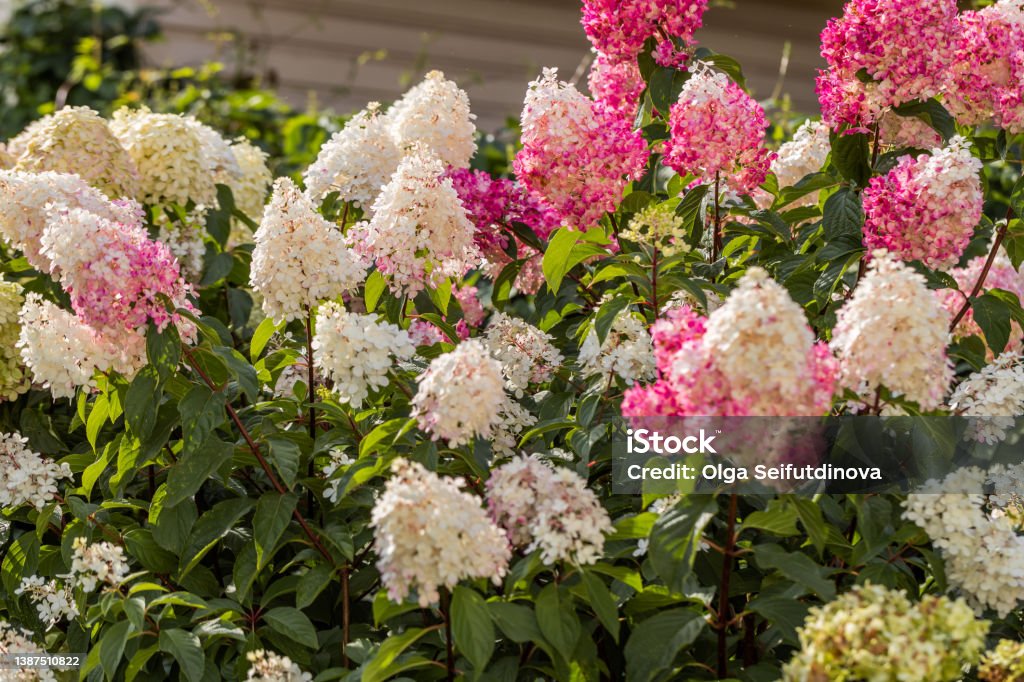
(977, 534)
(435, 113)
(995, 396)
(97, 563)
(54, 603)
(266, 666)
(23, 207)
(77, 140)
(218, 156)
(26, 477)
(300, 259)
(357, 161)
(6, 159)
(13, 380)
(526, 354)
(170, 155)
(548, 508)
(252, 185)
(460, 394)
(356, 351)
(627, 351)
(658, 226)
(18, 640)
(1004, 663)
(893, 333)
(429, 534)
(806, 153)
(419, 232)
(761, 342)
(876, 633)
(63, 353)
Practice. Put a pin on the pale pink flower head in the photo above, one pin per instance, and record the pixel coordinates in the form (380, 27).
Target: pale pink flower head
(616, 83)
(118, 278)
(904, 46)
(577, 155)
(619, 28)
(469, 301)
(926, 208)
(718, 129)
(1002, 275)
(988, 75)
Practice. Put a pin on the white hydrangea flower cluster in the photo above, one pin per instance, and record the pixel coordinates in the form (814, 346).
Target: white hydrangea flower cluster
(54, 603)
(995, 395)
(78, 140)
(170, 152)
(979, 540)
(526, 354)
(806, 153)
(6, 159)
(300, 259)
(64, 353)
(266, 666)
(509, 423)
(13, 380)
(185, 238)
(357, 161)
(759, 314)
(460, 394)
(419, 231)
(429, 534)
(339, 460)
(99, 562)
(15, 640)
(252, 185)
(876, 633)
(893, 332)
(26, 477)
(356, 351)
(627, 351)
(24, 201)
(435, 113)
(291, 375)
(218, 156)
(548, 508)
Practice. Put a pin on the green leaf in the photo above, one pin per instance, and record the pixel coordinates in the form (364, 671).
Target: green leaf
(850, 156)
(564, 252)
(777, 519)
(202, 411)
(384, 435)
(210, 528)
(243, 372)
(472, 628)
(606, 315)
(285, 455)
(843, 215)
(517, 621)
(273, 512)
(293, 624)
(142, 402)
(195, 467)
(665, 86)
(993, 316)
(187, 651)
(140, 544)
(654, 644)
(441, 296)
(112, 647)
(796, 566)
(312, 583)
(383, 664)
(812, 521)
(932, 113)
(261, 337)
(782, 612)
(603, 603)
(373, 290)
(171, 525)
(557, 620)
(675, 538)
(163, 349)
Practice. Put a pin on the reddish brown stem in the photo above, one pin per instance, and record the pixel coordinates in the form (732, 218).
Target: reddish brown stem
(716, 239)
(996, 243)
(723, 588)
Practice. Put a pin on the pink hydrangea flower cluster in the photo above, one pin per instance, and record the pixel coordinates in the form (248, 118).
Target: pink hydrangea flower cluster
(988, 77)
(577, 154)
(618, 84)
(619, 28)
(926, 208)
(118, 278)
(1002, 275)
(717, 128)
(705, 367)
(905, 46)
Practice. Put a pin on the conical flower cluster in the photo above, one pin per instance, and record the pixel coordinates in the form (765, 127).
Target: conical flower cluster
(435, 115)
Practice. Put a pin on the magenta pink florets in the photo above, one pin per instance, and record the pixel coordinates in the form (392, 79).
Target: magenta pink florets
(717, 128)
(619, 28)
(905, 47)
(577, 154)
(618, 84)
(925, 208)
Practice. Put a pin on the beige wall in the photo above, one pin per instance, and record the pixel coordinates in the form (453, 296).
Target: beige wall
(348, 52)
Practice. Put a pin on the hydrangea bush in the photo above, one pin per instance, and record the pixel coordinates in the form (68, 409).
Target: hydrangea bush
(359, 427)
